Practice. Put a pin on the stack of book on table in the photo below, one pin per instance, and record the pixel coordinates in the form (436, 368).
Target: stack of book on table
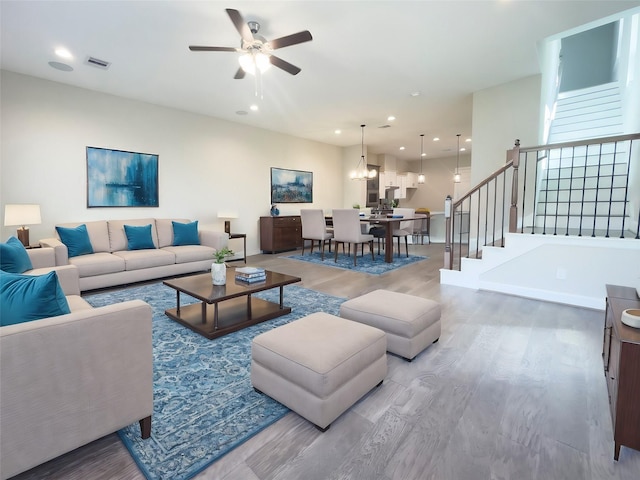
(251, 274)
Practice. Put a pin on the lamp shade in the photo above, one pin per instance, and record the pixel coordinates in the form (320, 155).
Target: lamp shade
(22, 214)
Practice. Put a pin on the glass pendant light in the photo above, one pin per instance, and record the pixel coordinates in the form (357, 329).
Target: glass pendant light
(421, 176)
(456, 177)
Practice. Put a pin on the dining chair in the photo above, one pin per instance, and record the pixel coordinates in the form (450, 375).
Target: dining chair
(346, 229)
(314, 228)
(405, 229)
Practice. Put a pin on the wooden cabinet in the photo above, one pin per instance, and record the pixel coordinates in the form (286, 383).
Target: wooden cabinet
(621, 357)
(279, 234)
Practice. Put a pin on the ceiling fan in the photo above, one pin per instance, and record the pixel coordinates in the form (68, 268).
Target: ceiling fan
(255, 49)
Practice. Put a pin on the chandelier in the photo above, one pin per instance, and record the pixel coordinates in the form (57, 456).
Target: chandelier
(361, 172)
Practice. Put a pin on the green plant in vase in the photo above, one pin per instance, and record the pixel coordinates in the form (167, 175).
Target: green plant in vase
(221, 254)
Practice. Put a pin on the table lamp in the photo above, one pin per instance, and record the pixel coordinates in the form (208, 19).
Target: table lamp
(227, 223)
(22, 215)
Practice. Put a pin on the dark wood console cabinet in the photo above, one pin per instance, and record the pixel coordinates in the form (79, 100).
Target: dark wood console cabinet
(621, 356)
(279, 234)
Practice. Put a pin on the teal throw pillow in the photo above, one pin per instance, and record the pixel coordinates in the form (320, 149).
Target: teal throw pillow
(139, 238)
(185, 233)
(76, 239)
(14, 257)
(30, 297)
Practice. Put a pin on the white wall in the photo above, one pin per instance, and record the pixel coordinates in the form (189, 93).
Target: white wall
(502, 114)
(206, 165)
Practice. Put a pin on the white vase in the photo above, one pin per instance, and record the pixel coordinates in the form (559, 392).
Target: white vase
(219, 273)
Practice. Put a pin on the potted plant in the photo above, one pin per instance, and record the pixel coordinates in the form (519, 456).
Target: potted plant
(218, 267)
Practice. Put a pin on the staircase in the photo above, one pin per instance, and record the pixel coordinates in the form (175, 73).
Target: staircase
(557, 223)
(584, 188)
(587, 113)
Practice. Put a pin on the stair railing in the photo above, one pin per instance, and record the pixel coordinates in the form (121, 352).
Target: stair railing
(589, 187)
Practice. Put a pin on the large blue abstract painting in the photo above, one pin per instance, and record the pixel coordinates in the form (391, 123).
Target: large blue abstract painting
(291, 186)
(116, 178)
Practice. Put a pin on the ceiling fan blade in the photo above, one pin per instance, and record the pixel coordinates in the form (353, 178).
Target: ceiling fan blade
(240, 24)
(286, 66)
(196, 48)
(292, 39)
(239, 74)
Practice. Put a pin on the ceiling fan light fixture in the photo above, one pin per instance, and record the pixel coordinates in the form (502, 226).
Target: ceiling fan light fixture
(252, 60)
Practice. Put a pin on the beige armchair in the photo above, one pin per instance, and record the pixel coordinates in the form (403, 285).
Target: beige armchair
(346, 229)
(314, 229)
(71, 379)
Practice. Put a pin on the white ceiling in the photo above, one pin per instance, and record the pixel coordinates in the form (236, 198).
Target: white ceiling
(365, 60)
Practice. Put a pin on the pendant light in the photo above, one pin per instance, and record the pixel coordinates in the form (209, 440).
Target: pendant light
(361, 172)
(456, 177)
(421, 176)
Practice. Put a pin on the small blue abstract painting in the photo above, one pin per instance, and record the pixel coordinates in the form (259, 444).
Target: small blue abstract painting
(116, 178)
(291, 186)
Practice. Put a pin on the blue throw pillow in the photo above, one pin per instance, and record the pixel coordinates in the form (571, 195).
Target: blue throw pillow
(30, 297)
(139, 238)
(14, 257)
(185, 233)
(76, 239)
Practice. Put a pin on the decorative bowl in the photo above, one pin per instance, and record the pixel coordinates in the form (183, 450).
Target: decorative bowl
(631, 317)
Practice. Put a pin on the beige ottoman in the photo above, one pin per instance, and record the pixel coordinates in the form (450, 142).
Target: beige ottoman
(319, 365)
(411, 323)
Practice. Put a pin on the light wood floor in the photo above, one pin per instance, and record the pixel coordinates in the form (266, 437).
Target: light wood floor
(514, 389)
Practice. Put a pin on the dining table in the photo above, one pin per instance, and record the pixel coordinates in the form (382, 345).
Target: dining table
(389, 223)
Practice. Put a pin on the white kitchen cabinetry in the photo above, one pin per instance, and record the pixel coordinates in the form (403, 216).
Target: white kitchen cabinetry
(411, 180)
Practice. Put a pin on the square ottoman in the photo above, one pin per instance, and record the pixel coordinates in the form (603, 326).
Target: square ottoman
(319, 365)
(411, 323)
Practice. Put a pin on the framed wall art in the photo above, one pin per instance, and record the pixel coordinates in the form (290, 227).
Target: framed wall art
(117, 178)
(291, 186)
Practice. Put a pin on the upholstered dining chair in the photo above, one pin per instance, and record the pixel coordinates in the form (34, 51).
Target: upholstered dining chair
(405, 229)
(314, 228)
(346, 229)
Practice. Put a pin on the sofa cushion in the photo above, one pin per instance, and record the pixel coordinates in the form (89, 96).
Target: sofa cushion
(139, 259)
(98, 234)
(164, 227)
(14, 257)
(97, 264)
(139, 238)
(26, 297)
(191, 253)
(76, 239)
(118, 238)
(185, 233)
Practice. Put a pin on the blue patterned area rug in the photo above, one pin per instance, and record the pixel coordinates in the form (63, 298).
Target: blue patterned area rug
(364, 264)
(204, 404)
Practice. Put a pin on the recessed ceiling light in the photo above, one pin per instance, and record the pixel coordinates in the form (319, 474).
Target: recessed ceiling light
(423, 155)
(468, 140)
(253, 108)
(436, 139)
(415, 94)
(63, 53)
(462, 149)
(401, 148)
(61, 66)
(337, 131)
(391, 118)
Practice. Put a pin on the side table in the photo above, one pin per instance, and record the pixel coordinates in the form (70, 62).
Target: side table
(244, 247)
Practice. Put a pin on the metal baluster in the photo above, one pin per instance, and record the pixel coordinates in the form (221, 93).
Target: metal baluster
(595, 207)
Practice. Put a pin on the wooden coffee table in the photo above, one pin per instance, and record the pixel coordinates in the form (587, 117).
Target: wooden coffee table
(234, 307)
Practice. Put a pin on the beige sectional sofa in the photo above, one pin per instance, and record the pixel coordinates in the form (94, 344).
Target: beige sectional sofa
(113, 264)
(71, 379)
